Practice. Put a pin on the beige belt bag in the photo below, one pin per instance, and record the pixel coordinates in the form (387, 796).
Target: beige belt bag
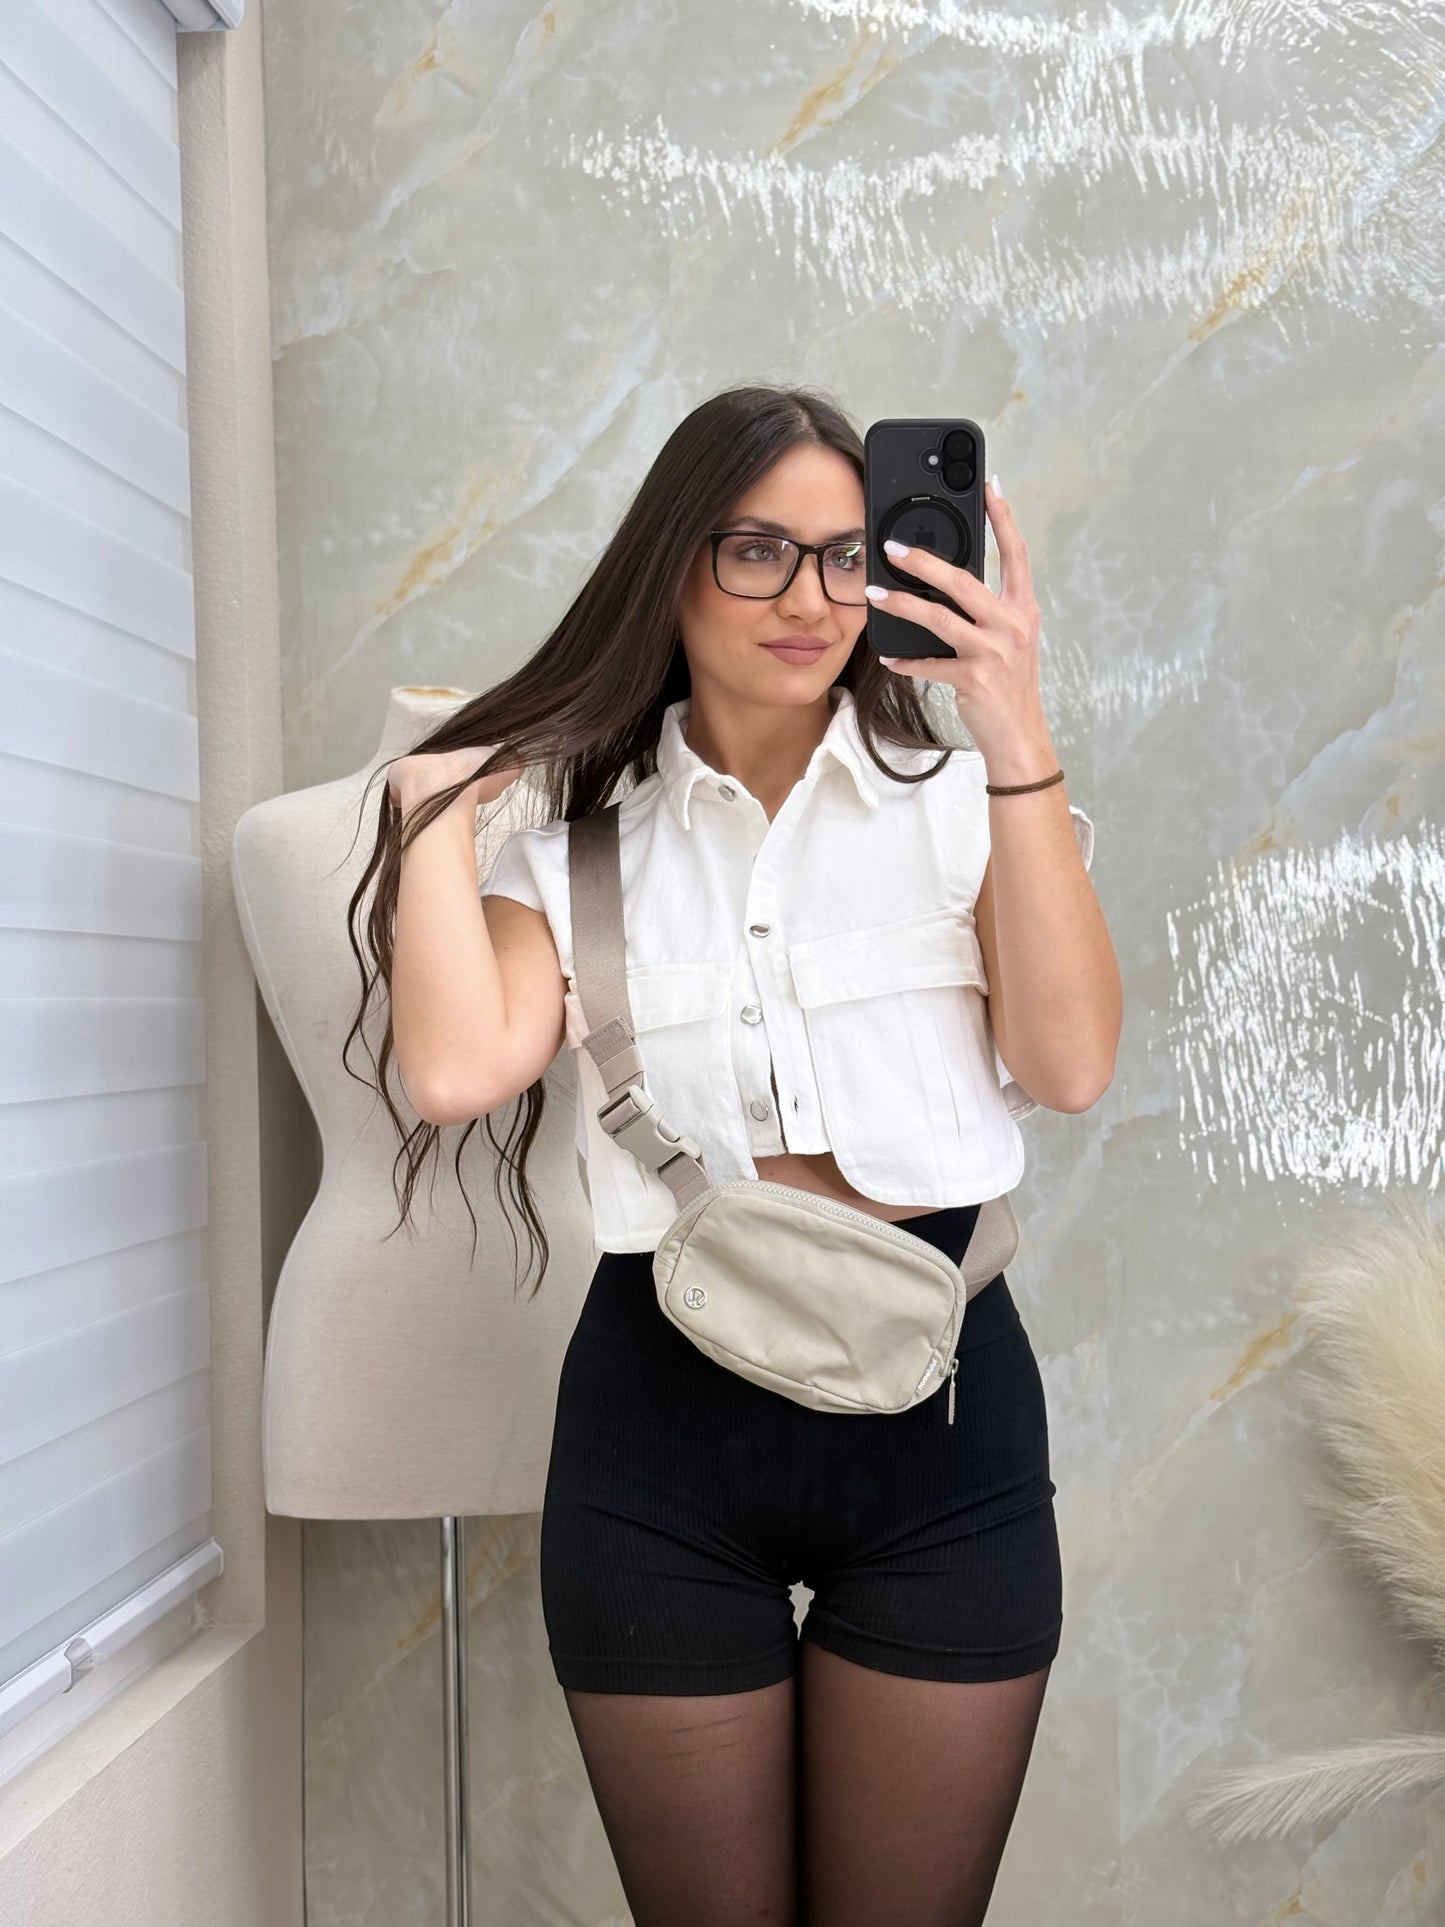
(804, 1295)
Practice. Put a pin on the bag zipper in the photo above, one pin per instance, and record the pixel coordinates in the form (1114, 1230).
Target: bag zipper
(952, 1375)
(835, 1208)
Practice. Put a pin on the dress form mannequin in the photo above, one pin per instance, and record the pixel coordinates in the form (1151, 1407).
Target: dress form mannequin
(403, 1380)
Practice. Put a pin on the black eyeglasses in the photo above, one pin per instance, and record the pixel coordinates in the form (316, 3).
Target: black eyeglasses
(749, 562)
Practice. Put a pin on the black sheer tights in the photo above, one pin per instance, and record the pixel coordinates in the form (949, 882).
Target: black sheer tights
(855, 1799)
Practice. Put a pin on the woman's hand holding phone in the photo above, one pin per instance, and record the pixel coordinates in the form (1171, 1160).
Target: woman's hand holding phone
(994, 670)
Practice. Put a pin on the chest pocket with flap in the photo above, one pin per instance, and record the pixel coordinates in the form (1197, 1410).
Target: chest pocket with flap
(897, 1024)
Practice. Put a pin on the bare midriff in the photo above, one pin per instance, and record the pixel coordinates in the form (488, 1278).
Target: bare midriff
(818, 1171)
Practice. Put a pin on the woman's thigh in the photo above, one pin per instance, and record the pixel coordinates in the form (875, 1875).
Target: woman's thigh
(698, 1798)
(670, 1620)
(666, 1521)
(909, 1788)
(936, 1552)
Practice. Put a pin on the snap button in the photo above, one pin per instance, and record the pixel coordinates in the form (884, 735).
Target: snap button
(751, 1014)
(727, 790)
(759, 929)
(758, 1108)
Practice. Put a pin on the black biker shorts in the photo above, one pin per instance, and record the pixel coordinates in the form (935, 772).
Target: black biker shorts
(684, 1501)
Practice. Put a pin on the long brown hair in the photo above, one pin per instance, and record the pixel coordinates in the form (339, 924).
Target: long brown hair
(584, 712)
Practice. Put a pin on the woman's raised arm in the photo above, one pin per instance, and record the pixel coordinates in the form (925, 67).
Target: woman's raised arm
(476, 990)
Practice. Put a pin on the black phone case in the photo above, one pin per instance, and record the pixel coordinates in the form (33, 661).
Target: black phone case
(904, 496)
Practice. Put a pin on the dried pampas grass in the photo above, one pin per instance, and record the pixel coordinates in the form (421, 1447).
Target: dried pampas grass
(1375, 1299)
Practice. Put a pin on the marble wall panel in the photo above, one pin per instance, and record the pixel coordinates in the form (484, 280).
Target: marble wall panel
(1183, 262)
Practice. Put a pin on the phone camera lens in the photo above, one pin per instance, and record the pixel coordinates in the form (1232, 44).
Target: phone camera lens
(960, 459)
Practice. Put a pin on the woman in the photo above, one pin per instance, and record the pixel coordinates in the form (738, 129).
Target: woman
(824, 949)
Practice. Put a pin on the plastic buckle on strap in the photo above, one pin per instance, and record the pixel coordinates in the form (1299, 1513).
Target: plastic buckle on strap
(633, 1120)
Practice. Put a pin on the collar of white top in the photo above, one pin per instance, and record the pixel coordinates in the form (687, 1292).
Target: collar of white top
(681, 768)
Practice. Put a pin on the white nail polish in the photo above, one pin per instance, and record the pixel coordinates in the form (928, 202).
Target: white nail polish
(996, 489)
(874, 593)
(896, 548)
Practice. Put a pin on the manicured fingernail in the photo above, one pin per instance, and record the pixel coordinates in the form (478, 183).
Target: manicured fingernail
(874, 593)
(890, 660)
(993, 483)
(896, 548)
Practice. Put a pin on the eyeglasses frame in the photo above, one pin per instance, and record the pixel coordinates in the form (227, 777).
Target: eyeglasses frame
(819, 549)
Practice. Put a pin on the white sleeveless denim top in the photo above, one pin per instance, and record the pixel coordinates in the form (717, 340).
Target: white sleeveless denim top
(810, 984)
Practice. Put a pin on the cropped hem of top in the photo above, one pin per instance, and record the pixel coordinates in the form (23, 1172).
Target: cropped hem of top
(811, 984)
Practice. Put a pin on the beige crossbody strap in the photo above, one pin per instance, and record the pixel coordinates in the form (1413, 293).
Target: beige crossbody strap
(630, 1116)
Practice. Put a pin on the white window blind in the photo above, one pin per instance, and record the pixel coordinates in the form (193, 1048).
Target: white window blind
(105, 1485)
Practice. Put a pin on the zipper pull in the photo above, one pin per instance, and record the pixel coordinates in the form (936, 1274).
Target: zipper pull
(952, 1375)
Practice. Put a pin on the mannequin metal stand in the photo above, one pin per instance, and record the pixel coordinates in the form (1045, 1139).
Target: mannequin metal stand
(454, 1720)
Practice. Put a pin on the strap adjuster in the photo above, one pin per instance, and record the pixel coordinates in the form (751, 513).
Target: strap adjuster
(633, 1120)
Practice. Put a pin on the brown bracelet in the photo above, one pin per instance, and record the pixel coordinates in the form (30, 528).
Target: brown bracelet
(1018, 789)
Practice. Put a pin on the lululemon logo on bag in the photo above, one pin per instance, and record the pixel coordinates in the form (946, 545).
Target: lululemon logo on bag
(694, 1297)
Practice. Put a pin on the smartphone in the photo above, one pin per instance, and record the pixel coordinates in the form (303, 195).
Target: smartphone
(923, 485)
